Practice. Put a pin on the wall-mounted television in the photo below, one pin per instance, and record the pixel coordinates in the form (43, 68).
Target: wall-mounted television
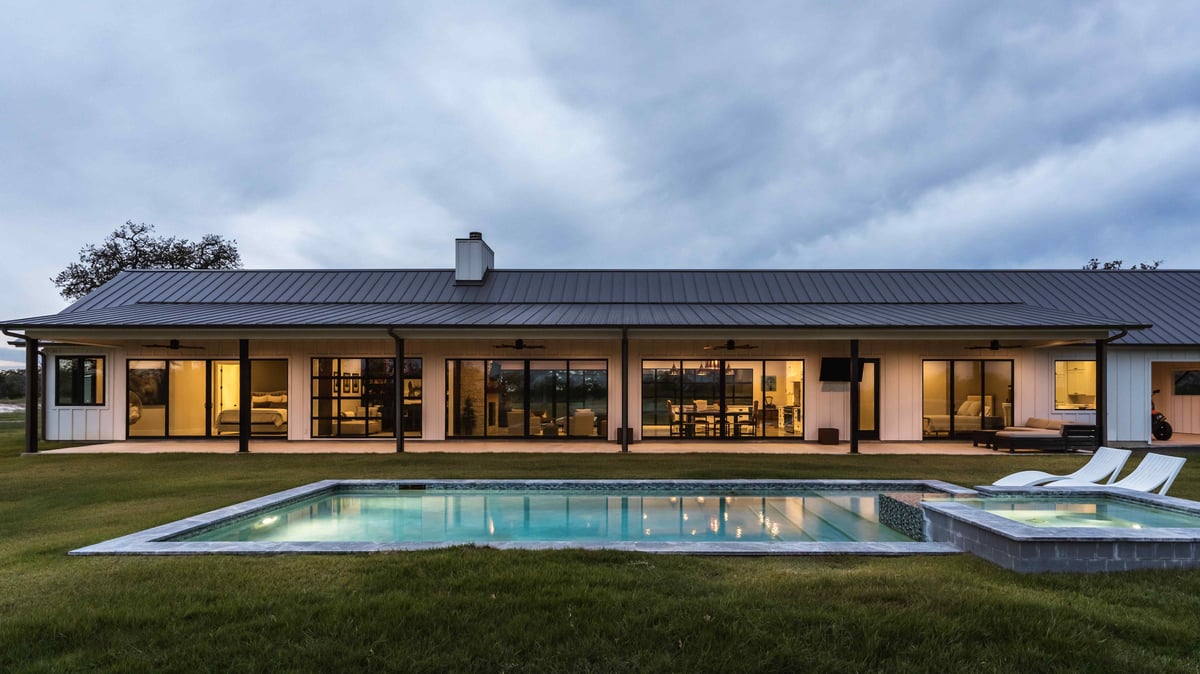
(838, 369)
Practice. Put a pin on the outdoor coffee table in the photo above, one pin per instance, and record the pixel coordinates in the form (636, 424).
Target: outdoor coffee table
(987, 437)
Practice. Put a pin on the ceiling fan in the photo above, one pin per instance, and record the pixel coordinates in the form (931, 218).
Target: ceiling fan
(173, 344)
(518, 345)
(730, 346)
(995, 345)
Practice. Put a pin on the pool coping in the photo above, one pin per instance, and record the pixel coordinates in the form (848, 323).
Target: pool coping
(152, 541)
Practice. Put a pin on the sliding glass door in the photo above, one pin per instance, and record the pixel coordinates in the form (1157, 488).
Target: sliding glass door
(200, 398)
(962, 396)
(527, 398)
(723, 398)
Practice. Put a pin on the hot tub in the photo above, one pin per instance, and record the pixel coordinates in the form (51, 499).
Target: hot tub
(1074, 529)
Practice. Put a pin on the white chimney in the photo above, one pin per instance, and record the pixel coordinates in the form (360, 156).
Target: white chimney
(473, 259)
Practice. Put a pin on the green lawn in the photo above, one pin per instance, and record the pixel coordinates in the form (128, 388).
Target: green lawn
(469, 609)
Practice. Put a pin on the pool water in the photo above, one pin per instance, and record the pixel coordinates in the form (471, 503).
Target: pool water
(457, 516)
(1090, 511)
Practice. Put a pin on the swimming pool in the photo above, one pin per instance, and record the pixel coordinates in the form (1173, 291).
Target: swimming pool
(1085, 529)
(482, 517)
(695, 517)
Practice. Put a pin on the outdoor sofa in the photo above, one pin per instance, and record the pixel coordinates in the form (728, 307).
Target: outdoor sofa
(1046, 435)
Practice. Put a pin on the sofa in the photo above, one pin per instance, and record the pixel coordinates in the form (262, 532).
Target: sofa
(1046, 434)
(583, 423)
(358, 420)
(974, 413)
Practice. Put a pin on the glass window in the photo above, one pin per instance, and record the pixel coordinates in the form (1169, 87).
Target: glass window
(187, 396)
(356, 397)
(79, 380)
(506, 396)
(723, 398)
(527, 398)
(963, 396)
(1074, 384)
(587, 393)
(147, 393)
(201, 398)
(413, 376)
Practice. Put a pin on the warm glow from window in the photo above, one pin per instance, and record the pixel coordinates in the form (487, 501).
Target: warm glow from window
(1074, 384)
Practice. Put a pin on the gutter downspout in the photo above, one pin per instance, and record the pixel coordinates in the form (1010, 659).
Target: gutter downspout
(244, 401)
(32, 394)
(855, 402)
(1102, 386)
(625, 429)
(398, 385)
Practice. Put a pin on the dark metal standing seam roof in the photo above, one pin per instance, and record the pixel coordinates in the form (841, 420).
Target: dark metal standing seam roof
(1165, 299)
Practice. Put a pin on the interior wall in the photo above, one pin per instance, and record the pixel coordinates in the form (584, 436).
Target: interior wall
(1182, 411)
(268, 375)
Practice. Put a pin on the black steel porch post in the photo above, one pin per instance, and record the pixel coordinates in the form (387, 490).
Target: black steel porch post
(855, 411)
(399, 371)
(244, 395)
(624, 428)
(32, 395)
(1102, 392)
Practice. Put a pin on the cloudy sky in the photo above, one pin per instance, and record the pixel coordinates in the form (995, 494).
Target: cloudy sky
(633, 135)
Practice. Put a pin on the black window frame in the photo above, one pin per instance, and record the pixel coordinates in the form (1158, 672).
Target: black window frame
(527, 369)
(327, 390)
(78, 382)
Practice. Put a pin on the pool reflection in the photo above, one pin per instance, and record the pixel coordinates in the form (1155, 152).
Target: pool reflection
(452, 516)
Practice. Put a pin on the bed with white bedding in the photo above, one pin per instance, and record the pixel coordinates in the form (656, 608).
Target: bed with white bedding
(268, 414)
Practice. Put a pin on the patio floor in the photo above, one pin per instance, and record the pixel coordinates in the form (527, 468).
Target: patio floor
(468, 447)
(388, 446)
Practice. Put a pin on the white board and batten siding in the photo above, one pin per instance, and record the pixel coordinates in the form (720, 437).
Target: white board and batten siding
(1132, 375)
(86, 423)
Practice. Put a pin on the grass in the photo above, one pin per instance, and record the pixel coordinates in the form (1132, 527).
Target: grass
(475, 609)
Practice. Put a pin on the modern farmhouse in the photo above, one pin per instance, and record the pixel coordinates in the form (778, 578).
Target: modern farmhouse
(617, 356)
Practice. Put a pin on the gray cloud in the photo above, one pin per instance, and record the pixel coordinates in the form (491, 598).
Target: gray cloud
(929, 134)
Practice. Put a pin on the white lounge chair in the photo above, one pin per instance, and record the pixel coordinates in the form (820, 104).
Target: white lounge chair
(1105, 463)
(1153, 471)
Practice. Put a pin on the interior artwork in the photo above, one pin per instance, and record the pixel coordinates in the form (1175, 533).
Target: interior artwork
(1187, 383)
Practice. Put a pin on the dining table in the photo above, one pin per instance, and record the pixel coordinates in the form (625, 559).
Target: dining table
(711, 417)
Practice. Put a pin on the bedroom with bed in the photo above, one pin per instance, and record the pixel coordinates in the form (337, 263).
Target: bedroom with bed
(268, 398)
(268, 415)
